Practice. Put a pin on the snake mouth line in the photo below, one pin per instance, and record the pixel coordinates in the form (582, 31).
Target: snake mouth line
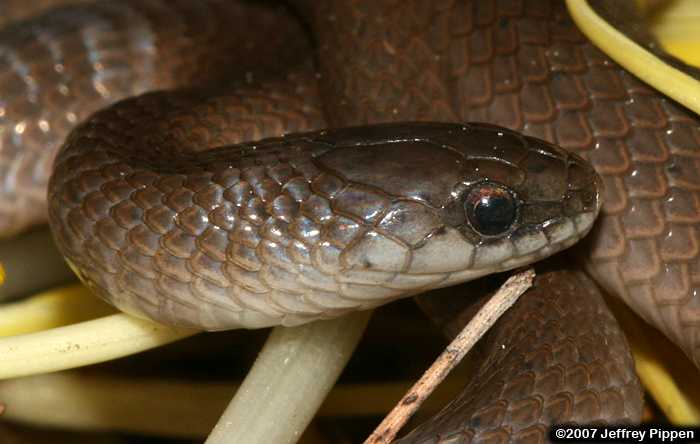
(577, 228)
(402, 284)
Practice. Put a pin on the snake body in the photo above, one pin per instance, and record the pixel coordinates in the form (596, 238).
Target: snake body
(59, 68)
(520, 65)
(557, 356)
(528, 68)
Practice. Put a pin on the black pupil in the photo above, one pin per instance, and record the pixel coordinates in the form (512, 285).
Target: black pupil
(494, 214)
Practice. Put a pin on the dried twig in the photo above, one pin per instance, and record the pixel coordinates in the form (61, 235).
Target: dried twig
(501, 301)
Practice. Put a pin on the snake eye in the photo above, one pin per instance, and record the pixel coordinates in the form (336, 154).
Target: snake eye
(491, 209)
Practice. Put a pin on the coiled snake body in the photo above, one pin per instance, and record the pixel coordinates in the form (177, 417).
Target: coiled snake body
(316, 224)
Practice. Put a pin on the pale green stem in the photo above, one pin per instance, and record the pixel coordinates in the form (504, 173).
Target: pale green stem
(291, 377)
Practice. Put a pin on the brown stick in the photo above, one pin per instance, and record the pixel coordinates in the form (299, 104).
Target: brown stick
(501, 301)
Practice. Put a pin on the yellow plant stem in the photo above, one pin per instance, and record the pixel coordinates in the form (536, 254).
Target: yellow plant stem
(665, 372)
(51, 309)
(668, 80)
(173, 408)
(82, 344)
(675, 26)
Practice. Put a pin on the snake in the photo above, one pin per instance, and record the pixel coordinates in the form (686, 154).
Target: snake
(219, 168)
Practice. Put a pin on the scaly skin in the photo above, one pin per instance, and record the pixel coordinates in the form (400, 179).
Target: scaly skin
(524, 65)
(311, 226)
(59, 68)
(519, 64)
(556, 357)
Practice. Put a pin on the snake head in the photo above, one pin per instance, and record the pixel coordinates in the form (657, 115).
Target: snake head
(463, 200)
(309, 226)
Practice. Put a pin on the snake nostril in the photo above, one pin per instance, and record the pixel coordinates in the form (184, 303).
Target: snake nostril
(580, 174)
(583, 179)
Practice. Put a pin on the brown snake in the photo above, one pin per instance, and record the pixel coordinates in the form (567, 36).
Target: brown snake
(522, 65)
